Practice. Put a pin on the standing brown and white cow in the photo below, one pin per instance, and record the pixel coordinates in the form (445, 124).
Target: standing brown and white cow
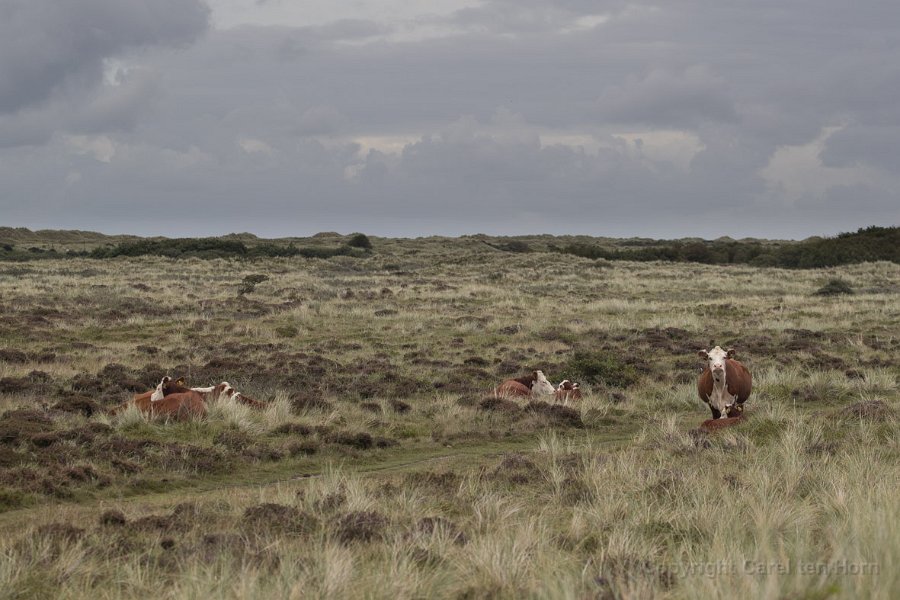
(725, 384)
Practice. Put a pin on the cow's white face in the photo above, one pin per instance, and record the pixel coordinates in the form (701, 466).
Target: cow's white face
(158, 394)
(716, 361)
(720, 399)
(541, 386)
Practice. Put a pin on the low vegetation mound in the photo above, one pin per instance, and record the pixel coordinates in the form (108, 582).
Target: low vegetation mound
(601, 367)
(834, 287)
(865, 245)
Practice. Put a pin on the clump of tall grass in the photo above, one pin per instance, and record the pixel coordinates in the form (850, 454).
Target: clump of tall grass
(232, 414)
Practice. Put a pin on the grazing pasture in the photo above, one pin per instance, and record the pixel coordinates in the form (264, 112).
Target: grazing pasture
(381, 463)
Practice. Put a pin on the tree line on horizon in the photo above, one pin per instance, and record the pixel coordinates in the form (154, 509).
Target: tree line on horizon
(865, 245)
(868, 244)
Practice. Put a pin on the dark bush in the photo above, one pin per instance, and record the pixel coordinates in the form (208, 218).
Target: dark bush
(18, 425)
(556, 413)
(399, 406)
(602, 367)
(305, 447)
(114, 518)
(498, 405)
(292, 429)
(249, 283)
(77, 404)
(360, 240)
(834, 287)
(360, 441)
(277, 518)
(306, 400)
(363, 526)
(287, 331)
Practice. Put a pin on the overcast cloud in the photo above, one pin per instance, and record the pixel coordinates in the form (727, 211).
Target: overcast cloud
(662, 118)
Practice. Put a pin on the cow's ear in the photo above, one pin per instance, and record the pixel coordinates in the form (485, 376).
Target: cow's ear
(702, 354)
(534, 374)
(729, 353)
(179, 381)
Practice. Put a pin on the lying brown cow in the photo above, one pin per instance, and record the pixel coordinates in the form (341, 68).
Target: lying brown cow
(725, 384)
(210, 394)
(567, 390)
(535, 384)
(179, 403)
(716, 424)
(171, 397)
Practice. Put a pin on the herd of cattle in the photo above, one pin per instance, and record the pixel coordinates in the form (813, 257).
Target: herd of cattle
(724, 385)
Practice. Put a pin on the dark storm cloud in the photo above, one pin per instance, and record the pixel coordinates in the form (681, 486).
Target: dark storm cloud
(684, 117)
(669, 99)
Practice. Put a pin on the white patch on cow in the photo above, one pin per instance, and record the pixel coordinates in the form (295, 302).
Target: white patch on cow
(158, 394)
(541, 386)
(203, 390)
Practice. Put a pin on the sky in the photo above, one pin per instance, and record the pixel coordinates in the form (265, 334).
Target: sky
(651, 118)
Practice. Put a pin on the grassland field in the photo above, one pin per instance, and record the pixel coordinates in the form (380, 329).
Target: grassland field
(383, 468)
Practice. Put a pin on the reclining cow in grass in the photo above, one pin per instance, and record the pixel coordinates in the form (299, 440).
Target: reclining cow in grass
(172, 399)
(179, 403)
(210, 394)
(725, 384)
(567, 390)
(534, 385)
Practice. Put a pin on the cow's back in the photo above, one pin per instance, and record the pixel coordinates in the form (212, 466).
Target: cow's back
(511, 387)
(182, 405)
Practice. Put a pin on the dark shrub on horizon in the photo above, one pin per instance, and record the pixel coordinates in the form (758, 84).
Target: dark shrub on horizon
(360, 240)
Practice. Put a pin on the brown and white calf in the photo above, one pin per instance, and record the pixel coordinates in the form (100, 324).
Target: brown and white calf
(567, 390)
(534, 385)
(725, 384)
